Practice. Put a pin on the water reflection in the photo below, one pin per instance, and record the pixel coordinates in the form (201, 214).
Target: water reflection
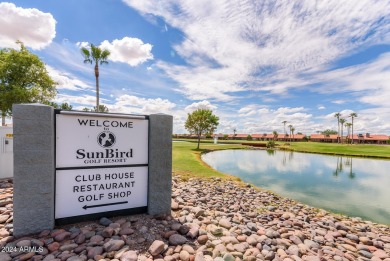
(340, 167)
(353, 186)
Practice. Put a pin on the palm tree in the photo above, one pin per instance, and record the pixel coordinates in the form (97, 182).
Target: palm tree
(342, 121)
(97, 56)
(290, 127)
(337, 115)
(292, 132)
(353, 115)
(234, 133)
(275, 134)
(348, 125)
(285, 133)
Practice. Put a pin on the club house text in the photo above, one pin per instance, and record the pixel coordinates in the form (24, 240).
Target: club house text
(126, 181)
(106, 123)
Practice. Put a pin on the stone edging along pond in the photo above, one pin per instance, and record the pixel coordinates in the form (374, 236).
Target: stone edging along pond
(211, 219)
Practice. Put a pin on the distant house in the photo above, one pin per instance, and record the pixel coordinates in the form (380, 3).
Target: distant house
(181, 136)
(263, 137)
(324, 138)
(294, 137)
(195, 136)
(370, 138)
(219, 135)
(331, 138)
(268, 137)
(237, 136)
(357, 138)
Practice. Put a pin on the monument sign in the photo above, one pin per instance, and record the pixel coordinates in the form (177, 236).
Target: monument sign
(72, 166)
(101, 163)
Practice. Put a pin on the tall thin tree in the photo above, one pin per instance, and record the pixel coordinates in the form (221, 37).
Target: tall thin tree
(96, 55)
(352, 115)
(348, 125)
(338, 115)
(290, 127)
(292, 132)
(342, 121)
(275, 134)
(285, 133)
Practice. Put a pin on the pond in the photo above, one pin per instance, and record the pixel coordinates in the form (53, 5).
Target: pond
(357, 187)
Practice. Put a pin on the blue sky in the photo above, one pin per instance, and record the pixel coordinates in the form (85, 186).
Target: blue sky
(254, 63)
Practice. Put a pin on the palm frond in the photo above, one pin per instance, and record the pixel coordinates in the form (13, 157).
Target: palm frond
(85, 52)
(104, 57)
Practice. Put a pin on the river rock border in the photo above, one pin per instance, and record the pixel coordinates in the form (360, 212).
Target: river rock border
(211, 219)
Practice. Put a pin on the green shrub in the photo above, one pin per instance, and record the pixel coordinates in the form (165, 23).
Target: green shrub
(271, 144)
(249, 137)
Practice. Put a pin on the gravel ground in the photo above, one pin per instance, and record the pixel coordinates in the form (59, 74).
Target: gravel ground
(211, 219)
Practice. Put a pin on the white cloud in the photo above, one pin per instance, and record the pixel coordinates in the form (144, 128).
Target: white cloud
(227, 127)
(287, 110)
(338, 101)
(128, 50)
(82, 44)
(33, 27)
(133, 104)
(78, 102)
(369, 83)
(251, 110)
(232, 46)
(372, 120)
(247, 108)
(200, 105)
(123, 104)
(321, 107)
(255, 118)
(66, 80)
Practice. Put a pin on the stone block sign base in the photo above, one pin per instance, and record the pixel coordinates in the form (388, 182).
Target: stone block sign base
(34, 167)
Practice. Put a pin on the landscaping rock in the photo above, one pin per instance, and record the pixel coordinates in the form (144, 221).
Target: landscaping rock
(157, 247)
(177, 239)
(214, 220)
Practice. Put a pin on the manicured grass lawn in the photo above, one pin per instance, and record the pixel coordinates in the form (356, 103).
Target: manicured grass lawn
(187, 162)
(362, 150)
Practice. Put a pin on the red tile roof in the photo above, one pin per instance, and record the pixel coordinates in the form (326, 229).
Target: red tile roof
(324, 136)
(379, 137)
(238, 135)
(372, 137)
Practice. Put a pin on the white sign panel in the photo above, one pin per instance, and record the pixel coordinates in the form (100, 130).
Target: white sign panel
(85, 141)
(87, 191)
